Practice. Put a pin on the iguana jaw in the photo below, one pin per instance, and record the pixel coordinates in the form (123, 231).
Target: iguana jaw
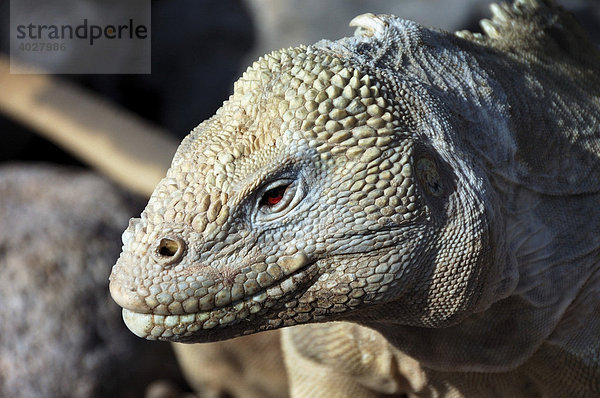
(295, 274)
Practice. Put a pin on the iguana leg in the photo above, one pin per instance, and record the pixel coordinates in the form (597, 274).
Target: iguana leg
(246, 367)
(332, 360)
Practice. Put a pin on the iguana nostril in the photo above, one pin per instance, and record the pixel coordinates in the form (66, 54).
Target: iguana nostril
(168, 250)
(168, 247)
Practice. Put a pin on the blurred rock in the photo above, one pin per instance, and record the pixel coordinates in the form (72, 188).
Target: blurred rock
(61, 335)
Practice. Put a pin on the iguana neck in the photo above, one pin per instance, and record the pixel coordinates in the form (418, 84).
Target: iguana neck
(546, 248)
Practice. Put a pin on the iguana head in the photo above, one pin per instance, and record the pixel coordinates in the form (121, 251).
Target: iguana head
(318, 191)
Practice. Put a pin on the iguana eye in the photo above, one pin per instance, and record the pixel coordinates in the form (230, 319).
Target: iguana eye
(273, 196)
(278, 198)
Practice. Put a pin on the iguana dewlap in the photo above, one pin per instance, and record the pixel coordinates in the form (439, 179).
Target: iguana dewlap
(437, 192)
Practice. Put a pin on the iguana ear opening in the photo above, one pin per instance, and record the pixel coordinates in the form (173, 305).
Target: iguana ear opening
(429, 176)
(433, 176)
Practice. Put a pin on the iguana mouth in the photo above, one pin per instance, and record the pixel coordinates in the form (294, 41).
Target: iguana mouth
(180, 327)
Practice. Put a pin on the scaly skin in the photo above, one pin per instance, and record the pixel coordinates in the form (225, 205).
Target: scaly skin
(438, 190)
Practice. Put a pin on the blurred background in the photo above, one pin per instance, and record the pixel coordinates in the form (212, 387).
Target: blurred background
(61, 218)
(199, 48)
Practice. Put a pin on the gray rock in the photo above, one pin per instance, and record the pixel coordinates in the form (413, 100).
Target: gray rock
(60, 333)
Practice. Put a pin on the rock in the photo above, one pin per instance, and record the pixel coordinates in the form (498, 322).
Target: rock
(60, 333)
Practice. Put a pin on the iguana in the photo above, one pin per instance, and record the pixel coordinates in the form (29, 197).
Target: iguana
(436, 195)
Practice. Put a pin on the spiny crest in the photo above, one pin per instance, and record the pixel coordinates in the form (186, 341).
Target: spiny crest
(539, 26)
(506, 19)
